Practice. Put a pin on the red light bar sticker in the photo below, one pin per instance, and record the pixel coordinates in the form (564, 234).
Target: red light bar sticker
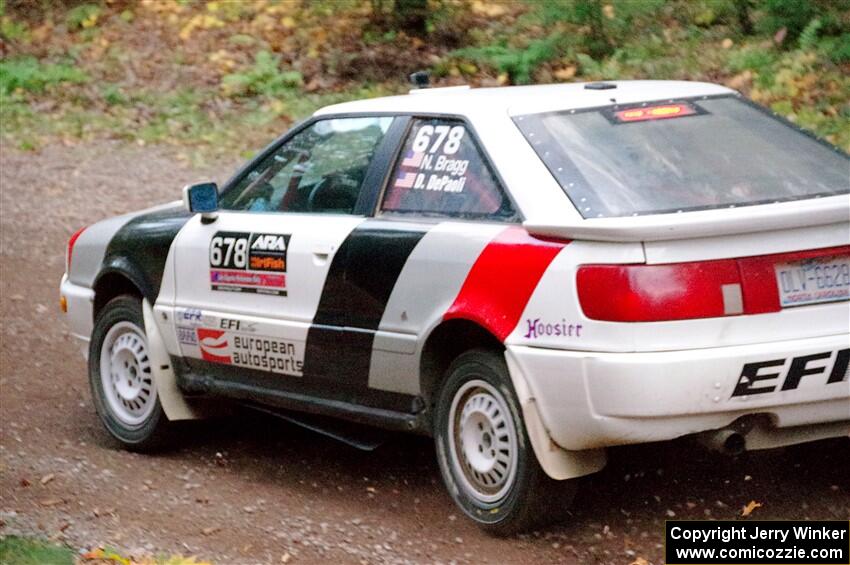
(658, 112)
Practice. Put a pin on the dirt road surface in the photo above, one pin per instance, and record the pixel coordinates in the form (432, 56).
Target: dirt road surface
(251, 489)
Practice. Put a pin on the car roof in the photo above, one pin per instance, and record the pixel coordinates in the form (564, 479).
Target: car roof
(518, 100)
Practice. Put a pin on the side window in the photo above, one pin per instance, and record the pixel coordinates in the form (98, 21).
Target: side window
(442, 172)
(320, 170)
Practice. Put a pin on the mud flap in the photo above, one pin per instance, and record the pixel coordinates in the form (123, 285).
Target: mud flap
(173, 403)
(558, 463)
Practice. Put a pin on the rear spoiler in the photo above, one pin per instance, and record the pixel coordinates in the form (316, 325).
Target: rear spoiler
(703, 223)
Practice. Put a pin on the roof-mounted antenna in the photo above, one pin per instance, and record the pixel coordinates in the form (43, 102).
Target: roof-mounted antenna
(599, 86)
(420, 79)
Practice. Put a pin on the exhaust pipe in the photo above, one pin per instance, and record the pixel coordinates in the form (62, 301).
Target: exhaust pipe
(725, 440)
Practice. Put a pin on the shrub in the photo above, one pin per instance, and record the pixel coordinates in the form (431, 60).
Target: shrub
(518, 63)
(264, 78)
(82, 16)
(28, 74)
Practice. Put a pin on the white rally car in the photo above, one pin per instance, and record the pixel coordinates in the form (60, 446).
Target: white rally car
(529, 274)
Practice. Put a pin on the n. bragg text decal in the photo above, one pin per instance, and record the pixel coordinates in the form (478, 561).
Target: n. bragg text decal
(249, 262)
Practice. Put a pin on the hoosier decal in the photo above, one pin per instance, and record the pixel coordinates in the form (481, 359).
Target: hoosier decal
(249, 262)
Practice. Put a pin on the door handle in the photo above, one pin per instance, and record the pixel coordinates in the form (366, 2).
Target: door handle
(323, 251)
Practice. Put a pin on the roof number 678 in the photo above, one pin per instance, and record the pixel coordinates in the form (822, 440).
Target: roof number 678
(452, 137)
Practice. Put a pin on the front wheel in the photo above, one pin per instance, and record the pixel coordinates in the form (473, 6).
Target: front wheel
(121, 377)
(486, 460)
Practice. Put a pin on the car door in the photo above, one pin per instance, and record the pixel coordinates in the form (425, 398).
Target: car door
(248, 284)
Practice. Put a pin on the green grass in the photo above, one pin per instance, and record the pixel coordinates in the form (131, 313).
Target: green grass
(25, 551)
(181, 118)
(77, 88)
(28, 74)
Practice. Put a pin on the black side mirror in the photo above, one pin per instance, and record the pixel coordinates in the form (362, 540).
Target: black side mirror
(201, 199)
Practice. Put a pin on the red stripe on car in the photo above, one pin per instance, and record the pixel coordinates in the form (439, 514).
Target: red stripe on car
(502, 280)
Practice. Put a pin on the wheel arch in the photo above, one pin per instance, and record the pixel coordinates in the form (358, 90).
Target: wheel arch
(452, 337)
(446, 341)
(115, 280)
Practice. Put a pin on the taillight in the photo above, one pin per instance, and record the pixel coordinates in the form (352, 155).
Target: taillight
(682, 291)
(70, 251)
(653, 293)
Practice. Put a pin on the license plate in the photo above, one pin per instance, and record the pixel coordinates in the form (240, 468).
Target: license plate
(812, 281)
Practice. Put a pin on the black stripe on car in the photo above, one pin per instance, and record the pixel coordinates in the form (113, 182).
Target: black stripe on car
(360, 280)
(139, 249)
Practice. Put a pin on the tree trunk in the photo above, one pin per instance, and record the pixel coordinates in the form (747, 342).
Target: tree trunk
(411, 16)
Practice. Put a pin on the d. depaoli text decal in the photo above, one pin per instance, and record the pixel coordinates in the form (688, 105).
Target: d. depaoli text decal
(249, 262)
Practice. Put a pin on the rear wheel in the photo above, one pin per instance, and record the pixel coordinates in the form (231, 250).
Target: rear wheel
(121, 376)
(486, 460)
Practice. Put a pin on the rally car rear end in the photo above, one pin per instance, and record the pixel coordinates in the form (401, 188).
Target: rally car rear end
(763, 375)
(706, 288)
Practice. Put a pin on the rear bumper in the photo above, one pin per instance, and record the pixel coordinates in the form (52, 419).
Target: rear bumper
(590, 399)
(80, 315)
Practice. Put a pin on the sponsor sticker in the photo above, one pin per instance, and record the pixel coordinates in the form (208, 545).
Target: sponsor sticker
(187, 336)
(781, 374)
(249, 262)
(214, 345)
(190, 317)
(537, 328)
(234, 346)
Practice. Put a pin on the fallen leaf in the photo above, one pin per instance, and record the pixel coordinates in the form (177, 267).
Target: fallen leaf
(565, 73)
(210, 531)
(51, 501)
(47, 478)
(25, 482)
(748, 509)
(100, 555)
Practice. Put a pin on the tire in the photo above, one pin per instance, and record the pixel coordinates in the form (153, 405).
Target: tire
(120, 376)
(485, 457)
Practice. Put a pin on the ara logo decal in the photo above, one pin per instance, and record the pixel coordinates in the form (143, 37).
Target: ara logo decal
(268, 242)
(214, 345)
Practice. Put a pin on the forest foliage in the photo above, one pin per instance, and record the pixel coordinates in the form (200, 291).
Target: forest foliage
(228, 75)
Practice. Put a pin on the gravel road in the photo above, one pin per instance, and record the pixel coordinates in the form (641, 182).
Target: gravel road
(250, 489)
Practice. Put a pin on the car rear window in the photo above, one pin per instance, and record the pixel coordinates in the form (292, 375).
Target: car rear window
(682, 155)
